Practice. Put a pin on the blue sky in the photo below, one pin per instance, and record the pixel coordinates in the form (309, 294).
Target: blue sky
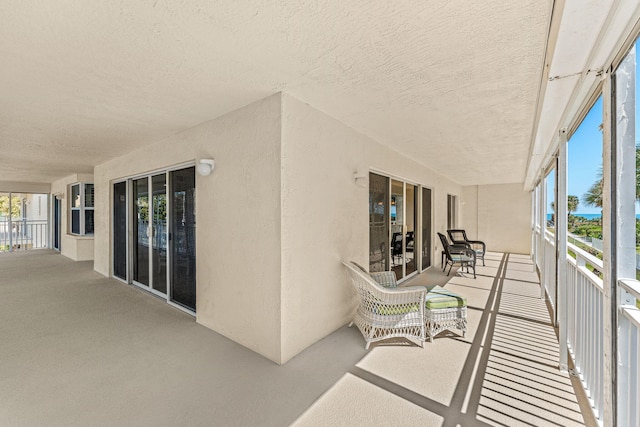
(585, 154)
(585, 157)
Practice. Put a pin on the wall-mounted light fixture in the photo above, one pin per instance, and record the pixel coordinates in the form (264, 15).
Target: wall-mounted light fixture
(205, 166)
(361, 180)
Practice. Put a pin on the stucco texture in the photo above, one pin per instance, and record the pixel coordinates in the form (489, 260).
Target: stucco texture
(238, 219)
(499, 215)
(325, 217)
(274, 220)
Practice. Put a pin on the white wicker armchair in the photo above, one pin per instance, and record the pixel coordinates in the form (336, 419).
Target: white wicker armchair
(391, 312)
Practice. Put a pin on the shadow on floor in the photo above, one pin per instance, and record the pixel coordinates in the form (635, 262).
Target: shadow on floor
(80, 349)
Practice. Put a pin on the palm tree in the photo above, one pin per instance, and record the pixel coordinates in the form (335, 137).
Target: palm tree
(572, 204)
(593, 196)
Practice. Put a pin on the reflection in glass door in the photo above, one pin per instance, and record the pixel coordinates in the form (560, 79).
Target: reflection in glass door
(426, 228)
(378, 223)
(397, 228)
(159, 233)
(411, 219)
(403, 226)
(120, 230)
(154, 234)
(141, 231)
(57, 217)
(394, 237)
(183, 232)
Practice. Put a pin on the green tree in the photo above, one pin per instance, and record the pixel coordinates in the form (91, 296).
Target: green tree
(572, 203)
(16, 205)
(593, 196)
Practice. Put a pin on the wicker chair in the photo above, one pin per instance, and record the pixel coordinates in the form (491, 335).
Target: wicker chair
(458, 254)
(443, 309)
(387, 312)
(459, 237)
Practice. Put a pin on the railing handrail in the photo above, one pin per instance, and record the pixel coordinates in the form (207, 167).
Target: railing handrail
(550, 237)
(593, 260)
(29, 221)
(633, 314)
(630, 285)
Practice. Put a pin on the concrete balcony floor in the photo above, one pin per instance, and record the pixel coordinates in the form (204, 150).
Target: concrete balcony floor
(79, 349)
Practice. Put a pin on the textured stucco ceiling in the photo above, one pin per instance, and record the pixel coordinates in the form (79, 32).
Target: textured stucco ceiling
(452, 84)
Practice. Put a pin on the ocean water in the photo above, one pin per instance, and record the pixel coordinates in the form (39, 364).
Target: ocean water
(586, 216)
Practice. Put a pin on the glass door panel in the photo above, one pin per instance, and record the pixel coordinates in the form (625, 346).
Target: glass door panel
(183, 235)
(120, 230)
(397, 228)
(378, 223)
(411, 209)
(141, 231)
(426, 228)
(159, 232)
(57, 211)
(393, 226)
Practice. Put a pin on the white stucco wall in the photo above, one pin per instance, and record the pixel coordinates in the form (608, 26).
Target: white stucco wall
(500, 215)
(469, 211)
(238, 219)
(274, 219)
(24, 187)
(325, 217)
(77, 248)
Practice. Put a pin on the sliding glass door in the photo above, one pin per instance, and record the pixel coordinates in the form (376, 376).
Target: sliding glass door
(141, 231)
(378, 223)
(394, 213)
(159, 232)
(403, 226)
(183, 232)
(426, 228)
(120, 230)
(154, 234)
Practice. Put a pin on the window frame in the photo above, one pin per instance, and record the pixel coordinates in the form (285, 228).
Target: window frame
(78, 203)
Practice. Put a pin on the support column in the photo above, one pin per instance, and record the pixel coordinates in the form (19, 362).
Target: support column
(543, 230)
(619, 212)
(561, 252)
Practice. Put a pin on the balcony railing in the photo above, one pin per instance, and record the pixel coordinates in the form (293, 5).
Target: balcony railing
(549, 281)
(585, 334)
(23, 235)
(629, 349)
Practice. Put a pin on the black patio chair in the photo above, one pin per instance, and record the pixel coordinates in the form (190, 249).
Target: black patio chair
(458, 254)
(459, 237)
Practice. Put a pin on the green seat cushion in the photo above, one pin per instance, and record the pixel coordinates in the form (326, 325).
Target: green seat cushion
(441, 298)
(397, 309)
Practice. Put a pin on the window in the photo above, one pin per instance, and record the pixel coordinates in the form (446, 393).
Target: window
(82, 204)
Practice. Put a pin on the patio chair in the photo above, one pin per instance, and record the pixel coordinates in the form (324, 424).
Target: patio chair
(383, 312)
(458, 254)
(459, 237)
